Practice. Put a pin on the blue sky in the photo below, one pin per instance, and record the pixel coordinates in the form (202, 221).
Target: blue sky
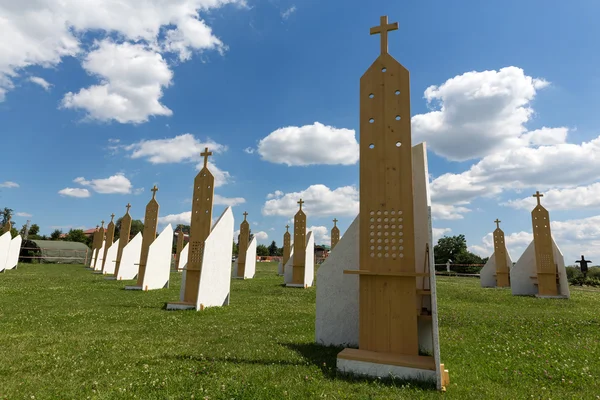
(135, 93)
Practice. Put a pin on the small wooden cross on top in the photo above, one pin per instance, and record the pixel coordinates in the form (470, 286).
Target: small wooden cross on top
(538, 195)
(154, 190)
(102, 223)
(384, 28)
(205, 154)
(497, 221)
(335, 222)
(287, 228)
(245, 215)
(300, 202)
(128, 206)
(112, 216)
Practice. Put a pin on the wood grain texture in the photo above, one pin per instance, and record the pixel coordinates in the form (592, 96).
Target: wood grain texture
(544, 256)
(179, 247)
(110, 238)
(502, 271)
(124, 233)
(149, 235)
(243, 247)
(299, 247)
(287, 245)
(335, 234)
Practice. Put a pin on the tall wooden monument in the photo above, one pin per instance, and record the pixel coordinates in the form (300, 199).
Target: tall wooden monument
(500, 256)
(243, 246)
(391, 292)
(287, 245)
(124, 233)
(335, 234)
(299, 246)
(200, 226)
(179, 246)
(100, 240)
(110, 237)
(547, 275)
(149, 235)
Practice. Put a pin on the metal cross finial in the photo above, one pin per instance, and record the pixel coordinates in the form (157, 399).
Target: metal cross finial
(301, 202)
(205, 154)
(497, 221)
(102, 223)
(538, 195)
(154, 190)
(128, 206)
(384, 28)
(287, 228)
(335, 222)
(245, 215)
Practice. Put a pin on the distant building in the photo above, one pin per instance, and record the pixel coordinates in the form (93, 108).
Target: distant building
(321, 252)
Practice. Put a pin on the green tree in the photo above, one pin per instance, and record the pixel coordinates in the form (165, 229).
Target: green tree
(6, 215)
(136, 227)
(34, 230)
(262, 250)
(14, 232)
(273, 249)
(236, 249)
(23, 230)
(56, 234)
(448, 248)
(76, 235)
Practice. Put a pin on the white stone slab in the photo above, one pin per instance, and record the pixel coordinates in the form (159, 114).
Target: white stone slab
(14, 250)
(280, 266)
(158, 266)
(250, 264)
(521, 282)
(91, 266)
(98, 265)
(5, 240)
(183, 258)
(309, 265)
(487, 275)
(337, 311)
(128, 269)
(111, 259)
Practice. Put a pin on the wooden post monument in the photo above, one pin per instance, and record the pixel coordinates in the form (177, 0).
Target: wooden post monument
(335, 234)
(502, 271)
(100, 240)
(179, 246)
(287, 245)
(544, 256)
(150, 225)
(299, 246)
(243, 246)
(124, 233)
(110, 237)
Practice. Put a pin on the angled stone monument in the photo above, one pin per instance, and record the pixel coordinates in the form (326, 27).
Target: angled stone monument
(179, 247)
(299, 271)
(287, 251)
(95, 247)
(206, 279)
(245, 265)
(128, 265)
(124, 232)
(14, 250)
(100, 252)
(183, 258)
(335, 234)
(155, 256)
(109, 239)
(496, 271)
(540, 271)
(377, 290)
(5, 240)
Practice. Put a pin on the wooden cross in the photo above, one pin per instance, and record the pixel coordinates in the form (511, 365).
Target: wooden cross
(112, 216)
(102, 223)
(205, 154)
(538, 195)
(497, 221)
(300, 202)
(154, 190)
(97, 226)
(245, 215)
(384, 28)
(128, 206)
(335, 221)
(287, 228)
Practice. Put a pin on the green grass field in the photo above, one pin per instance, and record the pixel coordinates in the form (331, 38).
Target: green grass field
(66, 333)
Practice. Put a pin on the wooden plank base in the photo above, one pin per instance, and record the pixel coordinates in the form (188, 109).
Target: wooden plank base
(418, 362)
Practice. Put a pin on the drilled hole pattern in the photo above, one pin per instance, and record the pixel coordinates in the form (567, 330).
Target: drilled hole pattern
(196, 251)
(385, 234)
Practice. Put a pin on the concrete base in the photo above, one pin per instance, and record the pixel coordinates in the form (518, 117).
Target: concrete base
(133, 288)
(300, 285)
(97, 273)
(551, 297)
(111, 278)
(375, 370)
(180, 306)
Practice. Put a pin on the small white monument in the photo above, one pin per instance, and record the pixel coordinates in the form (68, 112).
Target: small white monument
(183, 257)
(287, 251)
(5, 240)
(158, 265)
(128, 268)
(496, 271)
(245, 265)
(308, 273)
(111, 259)
(100, 257)
(13, 252)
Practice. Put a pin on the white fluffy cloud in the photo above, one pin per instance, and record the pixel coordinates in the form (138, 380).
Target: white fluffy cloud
(116, 184)
(23, 214)
(261, 236)
(228, 201)
(174, 219)
(9, 184)
(297, 146)
(479, 113)
(447, 211)
(580, 197)
(319, 201)
(277, 193)
(41, 82)
(287, 13)
(173, 150)
(43, 32)
(74, 192)
(221, 177)
(439, 232)
(322, 234)
(516, 243)
(132, 78)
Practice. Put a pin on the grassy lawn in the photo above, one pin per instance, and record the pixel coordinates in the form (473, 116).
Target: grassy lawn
(67, 333)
